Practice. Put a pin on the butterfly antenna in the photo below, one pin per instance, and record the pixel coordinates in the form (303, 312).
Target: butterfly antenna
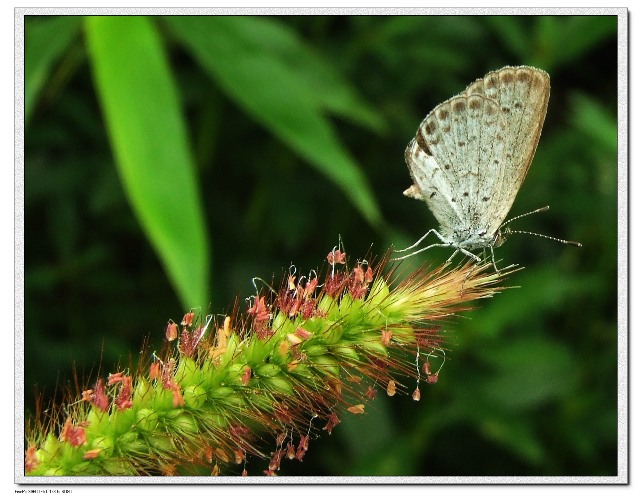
(508, 230)
(563, 241)
(538, 210)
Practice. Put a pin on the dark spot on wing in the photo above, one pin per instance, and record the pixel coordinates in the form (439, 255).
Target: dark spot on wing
(524, 76)
(491, 82)
(507, 77)
(539, 80)
(430, 127)
(421, 142)
(474, 103)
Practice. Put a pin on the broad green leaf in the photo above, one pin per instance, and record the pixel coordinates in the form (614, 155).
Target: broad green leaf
(513, 307)
(45, 42)
(529, 373)
(275, 95)
(565, 39)
(513, 33)
(505, 423)
(149, 139)
(591, 117)
(333, 92)
(518, 436)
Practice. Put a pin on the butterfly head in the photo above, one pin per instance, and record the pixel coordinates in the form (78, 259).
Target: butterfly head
(500, 237)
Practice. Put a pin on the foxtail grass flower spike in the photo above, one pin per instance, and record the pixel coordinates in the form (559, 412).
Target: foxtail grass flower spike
(297, 362)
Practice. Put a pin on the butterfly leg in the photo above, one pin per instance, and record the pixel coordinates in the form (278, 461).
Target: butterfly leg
(431, 231)
(465, 252)
(469, 254)
(445, 245)
(452, 256)
(492, 257)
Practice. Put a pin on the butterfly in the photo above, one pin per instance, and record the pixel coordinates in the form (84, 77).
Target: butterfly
(471, 155)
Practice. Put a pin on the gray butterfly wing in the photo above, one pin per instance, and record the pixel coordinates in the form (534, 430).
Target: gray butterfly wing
(455, 160)
(522, 94)
(432, 185)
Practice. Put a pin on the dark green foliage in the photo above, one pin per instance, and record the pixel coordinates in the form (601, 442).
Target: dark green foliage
(296, 128)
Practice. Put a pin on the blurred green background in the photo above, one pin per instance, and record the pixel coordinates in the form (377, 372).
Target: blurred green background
(170, 160)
